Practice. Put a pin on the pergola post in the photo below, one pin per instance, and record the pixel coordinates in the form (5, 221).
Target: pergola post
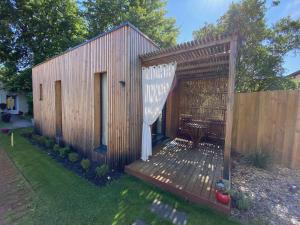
(229, 111)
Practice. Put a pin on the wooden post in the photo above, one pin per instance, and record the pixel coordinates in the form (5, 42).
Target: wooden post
(230, 103)
(12, 139)
(295, 164)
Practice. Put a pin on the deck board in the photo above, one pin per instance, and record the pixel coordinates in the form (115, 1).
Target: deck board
(189, 173)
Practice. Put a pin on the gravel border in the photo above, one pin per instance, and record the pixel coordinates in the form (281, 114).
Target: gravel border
(274, 193)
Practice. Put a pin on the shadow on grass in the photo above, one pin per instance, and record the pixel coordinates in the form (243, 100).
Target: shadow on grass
(62, 197)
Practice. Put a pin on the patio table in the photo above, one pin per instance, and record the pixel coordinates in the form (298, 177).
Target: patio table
(196, 132)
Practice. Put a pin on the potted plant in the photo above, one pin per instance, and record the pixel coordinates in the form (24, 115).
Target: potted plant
(222, 191)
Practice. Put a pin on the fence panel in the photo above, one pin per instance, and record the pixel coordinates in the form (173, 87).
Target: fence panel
(268, 121)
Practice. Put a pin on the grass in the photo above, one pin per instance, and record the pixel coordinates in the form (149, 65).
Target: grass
(64, 198)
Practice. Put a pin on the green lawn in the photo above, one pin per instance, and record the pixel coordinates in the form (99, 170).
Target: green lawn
(64, 198)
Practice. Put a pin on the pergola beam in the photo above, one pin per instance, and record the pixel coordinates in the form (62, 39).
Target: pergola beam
(202, 65)
(187, 48)
(212, 69)
(203, 58)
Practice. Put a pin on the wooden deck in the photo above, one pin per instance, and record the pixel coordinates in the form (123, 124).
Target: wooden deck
(189, 173)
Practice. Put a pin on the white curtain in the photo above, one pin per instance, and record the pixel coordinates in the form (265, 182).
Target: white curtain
(157, 82)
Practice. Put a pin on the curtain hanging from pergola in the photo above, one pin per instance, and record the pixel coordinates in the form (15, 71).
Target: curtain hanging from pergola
(156, 85)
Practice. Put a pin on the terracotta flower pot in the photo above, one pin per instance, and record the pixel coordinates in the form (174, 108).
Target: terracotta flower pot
(223, 198)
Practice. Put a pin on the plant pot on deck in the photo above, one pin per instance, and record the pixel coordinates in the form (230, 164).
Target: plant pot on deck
(222, 188)
(223, 198)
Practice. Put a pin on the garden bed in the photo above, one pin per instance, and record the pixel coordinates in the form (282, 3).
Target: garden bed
(48, 145)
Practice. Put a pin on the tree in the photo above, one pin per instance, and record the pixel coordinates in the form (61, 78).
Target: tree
(261, 49)
(148, 16)
(32, 31)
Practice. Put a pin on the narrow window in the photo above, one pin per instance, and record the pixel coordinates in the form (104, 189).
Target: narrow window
(100, 110)
(104, 109)
(41, 92)
(58, 109)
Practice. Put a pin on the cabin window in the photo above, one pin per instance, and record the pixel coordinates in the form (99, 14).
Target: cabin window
(58, 108)
(41, 92)
(101, 111)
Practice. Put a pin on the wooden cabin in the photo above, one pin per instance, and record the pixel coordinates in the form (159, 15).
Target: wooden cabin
(90, 95)
(91, 98)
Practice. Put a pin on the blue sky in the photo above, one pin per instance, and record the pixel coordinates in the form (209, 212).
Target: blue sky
(192, 14)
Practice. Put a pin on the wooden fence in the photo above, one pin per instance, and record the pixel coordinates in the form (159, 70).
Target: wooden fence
(268, 121)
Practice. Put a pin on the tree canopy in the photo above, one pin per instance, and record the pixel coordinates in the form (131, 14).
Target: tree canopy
(148, 16)
(261, 48)
(32, 31)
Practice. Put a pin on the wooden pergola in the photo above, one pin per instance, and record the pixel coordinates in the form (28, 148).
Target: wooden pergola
(204, 90)
(203, 59)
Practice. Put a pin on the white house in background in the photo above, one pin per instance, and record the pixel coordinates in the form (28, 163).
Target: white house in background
(16, 102)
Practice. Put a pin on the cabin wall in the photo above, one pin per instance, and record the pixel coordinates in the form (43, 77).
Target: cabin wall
(76, 69)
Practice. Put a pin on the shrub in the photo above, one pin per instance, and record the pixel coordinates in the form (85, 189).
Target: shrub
(243, 203)
(27, 134)
(49, 143)
(35, 137)
(101, 171)
(259, 159)
(56, 148)
(73, 157)
(85, 164)
(6, 117)
(42, 140)
(63, 152)
(38, 139)
(241, 200)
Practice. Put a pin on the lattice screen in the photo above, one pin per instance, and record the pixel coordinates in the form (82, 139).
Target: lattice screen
(204, 99)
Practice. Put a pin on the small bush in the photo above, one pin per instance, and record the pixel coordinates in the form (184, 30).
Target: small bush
(85, 164)
(73, 157)
(243, 203)
(259, 159)
(27, 134)
(38, 139)
(63, 152)
(43, 140)
(241, 200)
(56, 148)
(49, 143)
(101, 171)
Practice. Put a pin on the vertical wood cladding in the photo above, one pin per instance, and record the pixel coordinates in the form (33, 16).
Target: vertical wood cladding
(116, 53)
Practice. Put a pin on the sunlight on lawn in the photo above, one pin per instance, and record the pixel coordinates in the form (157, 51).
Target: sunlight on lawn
(65, 198)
